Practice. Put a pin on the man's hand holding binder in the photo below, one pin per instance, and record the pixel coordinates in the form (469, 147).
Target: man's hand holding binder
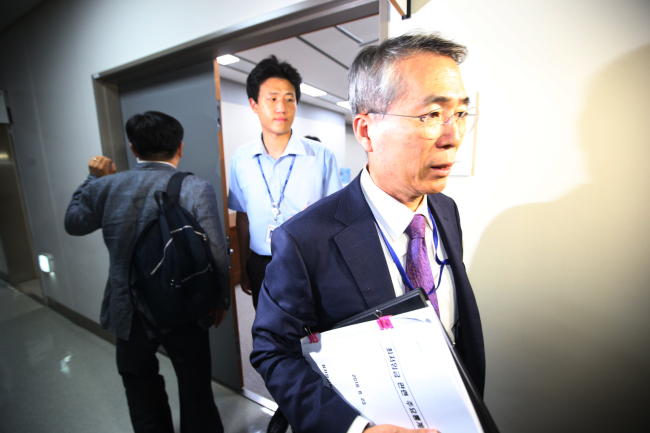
(394, 364)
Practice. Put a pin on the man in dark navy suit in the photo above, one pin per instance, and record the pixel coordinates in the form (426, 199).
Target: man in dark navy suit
(359, 247)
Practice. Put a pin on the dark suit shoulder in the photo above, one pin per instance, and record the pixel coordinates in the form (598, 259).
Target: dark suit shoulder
(442, 199)
(330, 215)
(320, 214)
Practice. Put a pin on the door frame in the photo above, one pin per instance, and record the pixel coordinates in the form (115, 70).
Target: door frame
(274, 26)
(288, 22)
(284, 23)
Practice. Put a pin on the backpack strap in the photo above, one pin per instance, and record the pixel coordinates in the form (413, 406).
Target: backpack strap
(174, 186)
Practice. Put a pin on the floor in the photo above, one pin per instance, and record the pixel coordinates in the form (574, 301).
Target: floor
(58, 377)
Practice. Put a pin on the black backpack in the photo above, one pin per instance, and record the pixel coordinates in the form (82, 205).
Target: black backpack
(172, 261)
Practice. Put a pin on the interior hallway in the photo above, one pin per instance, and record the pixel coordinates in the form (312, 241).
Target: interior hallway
(58, 377)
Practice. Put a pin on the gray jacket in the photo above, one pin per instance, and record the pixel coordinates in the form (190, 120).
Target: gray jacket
(120, 204)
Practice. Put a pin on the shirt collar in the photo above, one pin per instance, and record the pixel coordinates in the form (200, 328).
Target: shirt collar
(140, 161)
(393, 216)
(294, 147)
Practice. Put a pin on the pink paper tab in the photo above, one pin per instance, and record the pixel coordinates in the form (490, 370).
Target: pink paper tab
(384, 323)
(313, 338)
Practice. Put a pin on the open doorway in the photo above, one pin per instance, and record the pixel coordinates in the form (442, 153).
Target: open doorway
(141, 77)
(323, 58)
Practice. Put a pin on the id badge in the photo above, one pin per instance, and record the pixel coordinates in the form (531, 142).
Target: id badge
(269, 231)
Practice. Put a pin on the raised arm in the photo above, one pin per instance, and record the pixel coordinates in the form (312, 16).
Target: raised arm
(80, 217)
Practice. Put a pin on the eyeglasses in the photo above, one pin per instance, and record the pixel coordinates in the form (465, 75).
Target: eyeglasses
(433, 122)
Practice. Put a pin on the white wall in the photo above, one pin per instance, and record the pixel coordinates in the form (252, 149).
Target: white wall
(555, 219)
(241, 125)
(48, 58)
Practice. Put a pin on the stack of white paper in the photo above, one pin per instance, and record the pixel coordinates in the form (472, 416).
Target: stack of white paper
(404, 376)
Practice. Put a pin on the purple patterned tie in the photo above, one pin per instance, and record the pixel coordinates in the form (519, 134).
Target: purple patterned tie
(418, 268)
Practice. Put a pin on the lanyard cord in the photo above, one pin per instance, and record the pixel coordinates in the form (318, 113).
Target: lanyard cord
(400, 268)
(285, 182)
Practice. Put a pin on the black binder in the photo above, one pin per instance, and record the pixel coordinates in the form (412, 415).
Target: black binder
(414, 300)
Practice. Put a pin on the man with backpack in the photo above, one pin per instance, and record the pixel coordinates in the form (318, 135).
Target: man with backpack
(134, 207)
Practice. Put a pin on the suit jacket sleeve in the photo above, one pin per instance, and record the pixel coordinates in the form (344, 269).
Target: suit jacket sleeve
(80, 217)
(285, 308)
(206, 213)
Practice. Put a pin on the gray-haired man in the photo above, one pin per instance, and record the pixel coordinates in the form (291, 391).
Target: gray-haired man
(411, 113)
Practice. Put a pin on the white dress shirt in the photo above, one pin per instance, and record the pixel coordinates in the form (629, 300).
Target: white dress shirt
(138, 160)
(393, 218)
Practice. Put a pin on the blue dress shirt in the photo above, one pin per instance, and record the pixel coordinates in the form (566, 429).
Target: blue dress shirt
(314, 175)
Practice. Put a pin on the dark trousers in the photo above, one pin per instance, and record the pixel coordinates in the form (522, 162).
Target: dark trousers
(188, 348)
(256, 269)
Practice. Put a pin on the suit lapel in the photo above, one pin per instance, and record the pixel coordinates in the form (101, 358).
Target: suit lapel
(470, 336)
(451, 239)
(360, 247)
(446, 224)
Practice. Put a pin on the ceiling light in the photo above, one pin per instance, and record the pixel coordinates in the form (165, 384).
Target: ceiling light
(344, 104)
(227, 59)
(311, 91)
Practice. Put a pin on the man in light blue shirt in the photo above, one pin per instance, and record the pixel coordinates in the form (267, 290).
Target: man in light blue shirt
(275, 177)
(313, 176)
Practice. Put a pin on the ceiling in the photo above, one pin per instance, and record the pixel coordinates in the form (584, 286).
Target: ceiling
(323, 58)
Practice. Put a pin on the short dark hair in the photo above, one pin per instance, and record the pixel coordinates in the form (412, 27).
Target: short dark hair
(272, 68)
(154, 135)
(374, 83)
